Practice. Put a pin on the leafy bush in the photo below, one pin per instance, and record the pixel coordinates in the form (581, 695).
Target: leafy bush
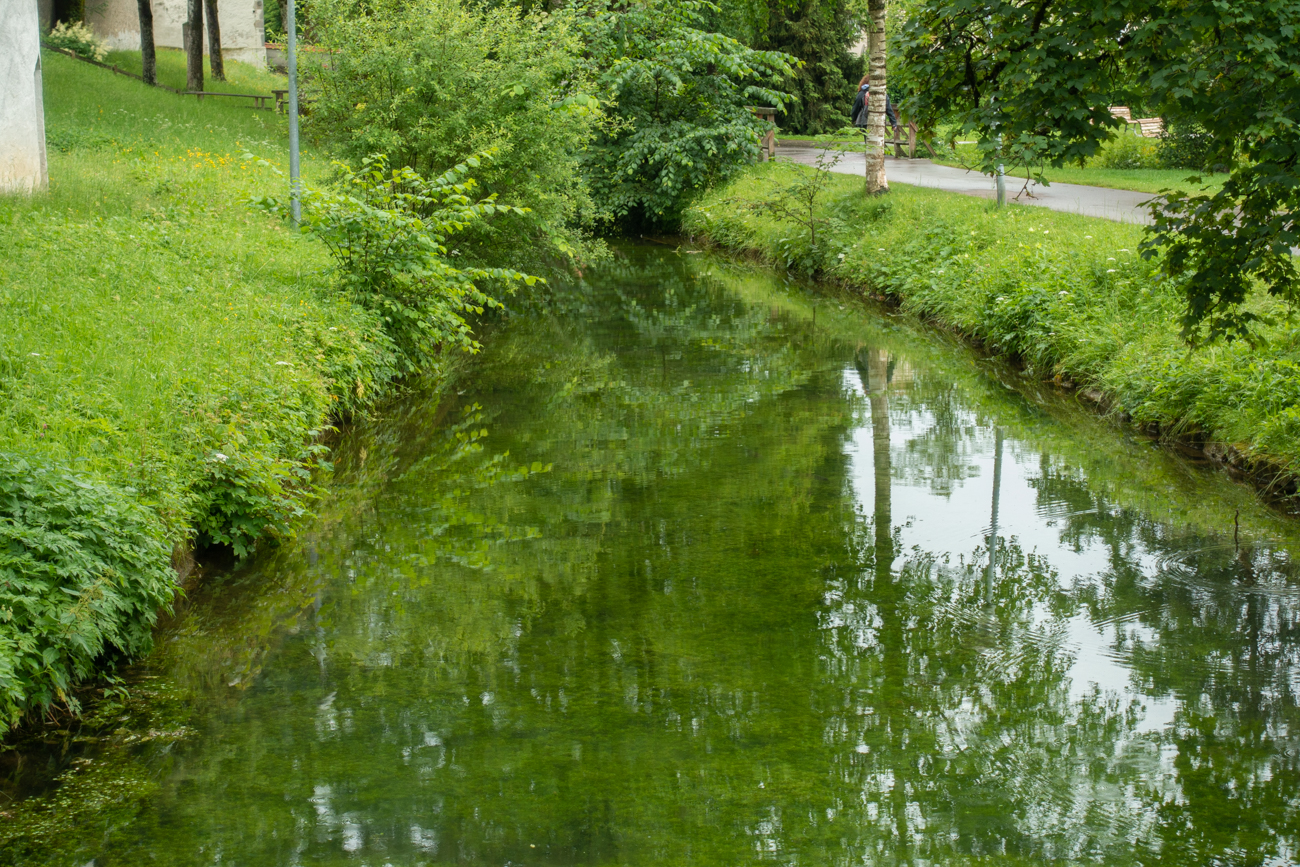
(387, 230)
(77, 38)
(1187, 146)
(428, 81)
(1127, 151)
(150, 323)
(83, 572)
(681, 95)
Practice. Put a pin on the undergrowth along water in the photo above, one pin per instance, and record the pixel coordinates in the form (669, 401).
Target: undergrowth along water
(168, 364)
(1066, 295)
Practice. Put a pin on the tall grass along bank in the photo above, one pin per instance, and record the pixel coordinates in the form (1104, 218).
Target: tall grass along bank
(169, 359)
(1067, 296)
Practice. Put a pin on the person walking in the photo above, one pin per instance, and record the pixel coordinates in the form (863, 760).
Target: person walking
(859, 112)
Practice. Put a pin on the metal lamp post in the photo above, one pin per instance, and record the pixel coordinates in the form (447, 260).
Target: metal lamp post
(295, 197)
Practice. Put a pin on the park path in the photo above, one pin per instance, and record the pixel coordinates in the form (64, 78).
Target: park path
(1122, 206)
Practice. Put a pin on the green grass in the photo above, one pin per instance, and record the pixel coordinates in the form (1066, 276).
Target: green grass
(1142, 180)
(240, 77)
(161, 339)
(1068, 296)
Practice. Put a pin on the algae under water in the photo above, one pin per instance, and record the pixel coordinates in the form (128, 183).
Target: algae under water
(704, 570)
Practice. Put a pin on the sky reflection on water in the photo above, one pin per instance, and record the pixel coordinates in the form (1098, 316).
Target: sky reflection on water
(693, 574)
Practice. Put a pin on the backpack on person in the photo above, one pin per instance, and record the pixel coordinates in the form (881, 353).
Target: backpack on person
(859, 112)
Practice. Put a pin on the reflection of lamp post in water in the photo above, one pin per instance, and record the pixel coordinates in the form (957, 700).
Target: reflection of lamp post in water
(993, 526)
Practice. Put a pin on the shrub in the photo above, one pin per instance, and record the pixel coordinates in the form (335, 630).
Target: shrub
(428, 81)
(77, 38)
(1187, 146)
(386, 230)
(83, 572)
(681, 96)
(1127, 151)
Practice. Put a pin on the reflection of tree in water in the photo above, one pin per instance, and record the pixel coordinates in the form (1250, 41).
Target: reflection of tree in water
(642, 620)
(1218, 628)
(958, 736)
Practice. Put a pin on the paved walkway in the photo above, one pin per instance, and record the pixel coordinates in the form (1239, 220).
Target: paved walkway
(1123, 206)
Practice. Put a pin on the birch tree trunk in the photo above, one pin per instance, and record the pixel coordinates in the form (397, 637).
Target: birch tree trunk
(192, 36)
(148, 59)
(216, 62)
(876, 122)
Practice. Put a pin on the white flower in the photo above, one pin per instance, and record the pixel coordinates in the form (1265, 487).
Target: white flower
(218, 456)
(284, 363)
(1110, 270)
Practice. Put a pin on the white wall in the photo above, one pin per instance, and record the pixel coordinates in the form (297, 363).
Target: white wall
(118, 23)
(22, 111)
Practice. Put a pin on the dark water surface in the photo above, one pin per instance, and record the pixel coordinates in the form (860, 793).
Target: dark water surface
(697, 573)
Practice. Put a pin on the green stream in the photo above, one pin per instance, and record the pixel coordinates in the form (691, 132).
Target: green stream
(696, 571)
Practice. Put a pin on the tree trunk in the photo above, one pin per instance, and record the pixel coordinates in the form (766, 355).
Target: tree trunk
(148, 60)
(876, 57)
(192, 34)
(216, 62)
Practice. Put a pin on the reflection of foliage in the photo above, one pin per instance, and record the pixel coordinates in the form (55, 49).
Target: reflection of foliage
(648, 617)
(102, 791)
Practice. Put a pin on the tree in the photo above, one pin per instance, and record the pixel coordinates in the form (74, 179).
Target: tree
(680, 95)
(878, 55)
(1041, 76)
(215, 59)
(193, 38)
(148, 60)
(818, 32)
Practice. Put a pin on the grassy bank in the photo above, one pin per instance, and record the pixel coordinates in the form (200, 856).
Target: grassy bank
(168, 363)
(1123, 163)
(1067, 296)
(170, 70)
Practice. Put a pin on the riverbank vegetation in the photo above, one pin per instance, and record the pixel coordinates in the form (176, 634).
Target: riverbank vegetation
(168, 365)
(173, 354)
(1068, 296)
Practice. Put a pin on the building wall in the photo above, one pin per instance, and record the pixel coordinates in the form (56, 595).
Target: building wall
(242, 38)
(22, 110)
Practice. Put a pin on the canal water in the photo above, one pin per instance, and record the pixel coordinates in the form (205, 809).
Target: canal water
(701, 569)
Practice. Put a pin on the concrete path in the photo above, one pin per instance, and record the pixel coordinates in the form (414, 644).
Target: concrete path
(1123, 206)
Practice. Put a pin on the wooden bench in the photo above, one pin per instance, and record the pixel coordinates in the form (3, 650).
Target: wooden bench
(910, 142)
(260, 100)
(282, 101)
(1147, 127)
